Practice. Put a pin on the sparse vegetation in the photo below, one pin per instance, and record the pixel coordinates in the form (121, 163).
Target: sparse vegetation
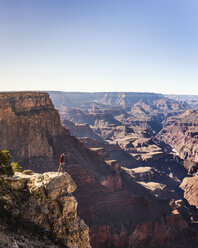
(16, 167)
(5, 167)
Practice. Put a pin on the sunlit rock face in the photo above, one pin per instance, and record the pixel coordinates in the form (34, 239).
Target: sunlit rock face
(190, 187)
(30, 127)
(181, 133)
(46, 201)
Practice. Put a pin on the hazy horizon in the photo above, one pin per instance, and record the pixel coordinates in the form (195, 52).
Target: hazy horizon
(146, 92)
(99, 46)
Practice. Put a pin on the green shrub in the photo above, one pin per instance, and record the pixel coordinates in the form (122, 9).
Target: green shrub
(16, 167)
(5, 168)
(4, 157)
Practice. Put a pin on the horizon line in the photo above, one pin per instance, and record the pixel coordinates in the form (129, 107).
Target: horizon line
(100, 92)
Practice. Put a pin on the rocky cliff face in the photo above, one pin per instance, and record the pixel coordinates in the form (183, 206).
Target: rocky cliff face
(45, 201)
(181, 132)
(30, 127)
(190, 188)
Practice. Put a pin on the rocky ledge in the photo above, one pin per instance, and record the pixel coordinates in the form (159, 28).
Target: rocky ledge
(190, 188)
(45, 201)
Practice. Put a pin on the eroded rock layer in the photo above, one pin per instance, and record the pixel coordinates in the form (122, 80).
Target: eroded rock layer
(181, 132)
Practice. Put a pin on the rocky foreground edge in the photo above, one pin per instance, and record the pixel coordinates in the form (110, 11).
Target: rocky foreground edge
(46, 201)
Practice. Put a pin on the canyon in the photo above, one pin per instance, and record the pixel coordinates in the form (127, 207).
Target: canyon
(181, 132)
(134, 184)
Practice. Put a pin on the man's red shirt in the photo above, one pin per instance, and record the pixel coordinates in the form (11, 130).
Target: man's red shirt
(62, 157)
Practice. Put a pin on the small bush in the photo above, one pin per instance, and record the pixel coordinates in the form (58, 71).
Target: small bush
(5, 168)
(16, 167)
(4, 157)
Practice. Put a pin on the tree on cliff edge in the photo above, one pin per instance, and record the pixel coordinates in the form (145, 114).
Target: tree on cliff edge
(5, 167)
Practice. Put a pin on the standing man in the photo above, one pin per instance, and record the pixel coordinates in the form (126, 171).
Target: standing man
(62, 162)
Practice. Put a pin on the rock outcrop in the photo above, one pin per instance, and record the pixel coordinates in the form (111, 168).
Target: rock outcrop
(81, 130)
(156, 181)
(190, 188)
(45, 201)
(181, 133)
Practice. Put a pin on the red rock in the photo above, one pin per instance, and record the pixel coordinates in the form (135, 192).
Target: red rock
(190, 187)
(181, 133)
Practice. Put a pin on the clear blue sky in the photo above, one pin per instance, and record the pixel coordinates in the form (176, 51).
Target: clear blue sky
(99, 45)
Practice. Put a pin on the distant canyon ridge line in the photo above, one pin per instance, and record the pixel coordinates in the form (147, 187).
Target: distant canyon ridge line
(132, 182)
(119, 99)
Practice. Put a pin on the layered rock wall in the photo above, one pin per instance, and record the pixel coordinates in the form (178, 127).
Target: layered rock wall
(30, 127)
(181, 133)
